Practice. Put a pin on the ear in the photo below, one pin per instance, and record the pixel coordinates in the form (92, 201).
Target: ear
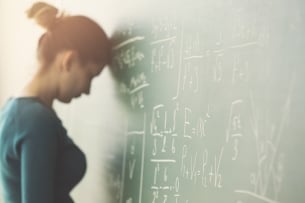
(69, 58)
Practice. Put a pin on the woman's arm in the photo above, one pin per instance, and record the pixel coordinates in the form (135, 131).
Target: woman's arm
(38, 151)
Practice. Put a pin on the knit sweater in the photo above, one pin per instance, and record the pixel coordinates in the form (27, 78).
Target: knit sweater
(38, 161)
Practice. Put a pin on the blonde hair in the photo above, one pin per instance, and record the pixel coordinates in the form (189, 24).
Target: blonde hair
(63, 31)
(45, 14)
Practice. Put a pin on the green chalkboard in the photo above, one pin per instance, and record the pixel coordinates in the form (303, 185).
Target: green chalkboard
(213, 91)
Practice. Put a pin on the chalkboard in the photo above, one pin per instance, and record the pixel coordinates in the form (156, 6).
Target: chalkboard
(213, 91)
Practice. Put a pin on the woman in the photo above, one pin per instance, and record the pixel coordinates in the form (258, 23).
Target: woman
(39, 163)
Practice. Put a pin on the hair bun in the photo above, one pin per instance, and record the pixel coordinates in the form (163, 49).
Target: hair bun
(44, 14)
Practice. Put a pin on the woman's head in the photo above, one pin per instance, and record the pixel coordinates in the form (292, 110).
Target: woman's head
(76, 48)
(64, 32)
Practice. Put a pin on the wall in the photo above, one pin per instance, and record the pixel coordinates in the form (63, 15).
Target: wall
(17, 50)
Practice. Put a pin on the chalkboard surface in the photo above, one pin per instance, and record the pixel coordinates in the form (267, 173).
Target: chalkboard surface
(215, 101)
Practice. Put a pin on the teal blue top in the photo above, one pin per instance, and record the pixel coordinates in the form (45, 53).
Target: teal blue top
(39, 163)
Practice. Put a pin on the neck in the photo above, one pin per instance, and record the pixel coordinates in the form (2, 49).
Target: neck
(41, 86)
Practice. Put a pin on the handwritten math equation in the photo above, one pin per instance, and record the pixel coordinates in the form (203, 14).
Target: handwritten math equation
(204, 128)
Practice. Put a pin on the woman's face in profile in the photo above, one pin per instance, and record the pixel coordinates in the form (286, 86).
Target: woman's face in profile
(78, 80)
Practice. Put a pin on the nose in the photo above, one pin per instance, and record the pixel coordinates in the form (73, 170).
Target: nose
(87, 90)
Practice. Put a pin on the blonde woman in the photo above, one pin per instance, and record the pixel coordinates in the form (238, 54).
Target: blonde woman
(39, 163)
